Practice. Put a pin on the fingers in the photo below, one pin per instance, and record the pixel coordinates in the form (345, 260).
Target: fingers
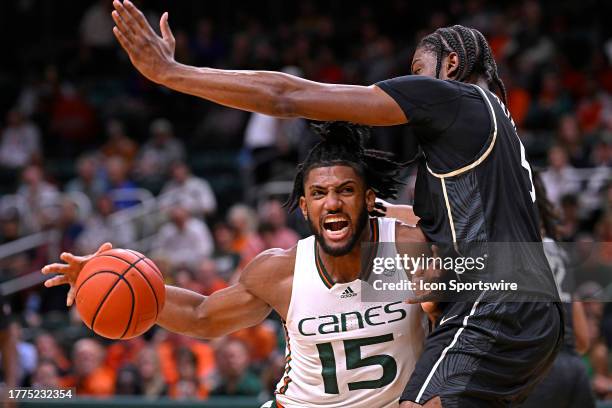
(104, 247)
(70, 296)
(123, 27)
(56, 281)
(164, 27)
(70, 258)
(135, 18)
(54, 268)
(122, 40)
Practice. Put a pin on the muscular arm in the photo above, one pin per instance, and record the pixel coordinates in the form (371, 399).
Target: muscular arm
(270, 93)
(241, 305)
(223, 312)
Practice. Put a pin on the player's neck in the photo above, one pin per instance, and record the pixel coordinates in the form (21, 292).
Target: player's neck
(346, 268)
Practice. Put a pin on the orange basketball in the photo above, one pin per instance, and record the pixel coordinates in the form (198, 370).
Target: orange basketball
(119, 294)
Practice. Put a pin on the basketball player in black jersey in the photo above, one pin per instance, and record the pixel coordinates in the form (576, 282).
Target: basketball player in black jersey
(474, 187)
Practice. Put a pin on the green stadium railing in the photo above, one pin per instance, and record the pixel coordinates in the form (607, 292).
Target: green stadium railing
(132, 402)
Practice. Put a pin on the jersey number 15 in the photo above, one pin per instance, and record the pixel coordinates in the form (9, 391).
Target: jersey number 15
(354, 360)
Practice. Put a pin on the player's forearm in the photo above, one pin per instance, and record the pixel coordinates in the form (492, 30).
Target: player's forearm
(402, 212)
(255, 91)
(179, 314)
(276, 94)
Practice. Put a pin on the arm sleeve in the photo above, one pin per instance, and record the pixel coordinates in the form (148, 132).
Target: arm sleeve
(427, 102)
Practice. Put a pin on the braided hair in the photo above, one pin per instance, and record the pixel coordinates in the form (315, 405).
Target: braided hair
(342, 144)
(475, 55)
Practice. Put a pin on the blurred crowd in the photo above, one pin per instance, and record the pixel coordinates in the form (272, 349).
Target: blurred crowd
(85, 143)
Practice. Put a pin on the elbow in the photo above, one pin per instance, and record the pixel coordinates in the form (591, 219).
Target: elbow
(203, 327)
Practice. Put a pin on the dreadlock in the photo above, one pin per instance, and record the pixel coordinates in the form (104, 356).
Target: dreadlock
(475, 55)
(549, 216)
(342, 144)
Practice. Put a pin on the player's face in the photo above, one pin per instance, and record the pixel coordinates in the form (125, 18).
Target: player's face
(424, 63)
(336, 205)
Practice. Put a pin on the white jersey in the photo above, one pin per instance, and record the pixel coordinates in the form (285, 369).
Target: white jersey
(342, 352)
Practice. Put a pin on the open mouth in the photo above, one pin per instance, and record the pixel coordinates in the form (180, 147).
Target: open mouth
(336, 227)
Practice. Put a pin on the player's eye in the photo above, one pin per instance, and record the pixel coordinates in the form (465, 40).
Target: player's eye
(316, 193)
(347, 190)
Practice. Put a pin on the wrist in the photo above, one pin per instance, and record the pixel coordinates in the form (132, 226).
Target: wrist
(166, 73)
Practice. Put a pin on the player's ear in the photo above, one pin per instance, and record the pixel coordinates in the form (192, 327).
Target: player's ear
(370, 199)
(303, 207)
(452, 65)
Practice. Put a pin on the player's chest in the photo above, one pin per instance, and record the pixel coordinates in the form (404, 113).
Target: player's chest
(326, 319)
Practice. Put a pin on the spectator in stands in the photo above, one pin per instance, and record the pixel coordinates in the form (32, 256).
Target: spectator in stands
(234, 376)
(96, 28)
(208, 278)
(19, 142)
(157, 154)
(243, 220)
(73, 121)
(226, 259)
(191, 192)
(48, 350)
(571, 139)
(88, 180)
(128, 381)
(119, 186)
(89, 375)
(40, 197)
(101, 227)
(570, 225)
(26, 354)
(118, 143)
(46, 375)
(272, 372)
(188, 385)
(153, 383)
(281, 236)
(184, 277)
(560, 178)
(69, 225)
(168, 345)
(185, 240)
(123, 352)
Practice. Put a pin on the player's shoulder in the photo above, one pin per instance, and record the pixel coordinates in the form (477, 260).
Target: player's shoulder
(270, 265)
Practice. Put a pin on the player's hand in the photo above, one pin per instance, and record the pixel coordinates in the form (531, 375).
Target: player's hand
(151, 54)
(67, 273)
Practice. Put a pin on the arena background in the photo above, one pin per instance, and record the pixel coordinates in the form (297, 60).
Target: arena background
(89, 152)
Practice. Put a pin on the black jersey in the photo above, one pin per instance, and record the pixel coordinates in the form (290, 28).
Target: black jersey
(474, 188)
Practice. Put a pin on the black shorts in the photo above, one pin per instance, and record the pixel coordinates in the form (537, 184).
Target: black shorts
(566, 385)
(487, 354)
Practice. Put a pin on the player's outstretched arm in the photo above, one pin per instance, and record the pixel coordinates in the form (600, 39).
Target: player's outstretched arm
(271, 93)
(223, 312)
(187, 312)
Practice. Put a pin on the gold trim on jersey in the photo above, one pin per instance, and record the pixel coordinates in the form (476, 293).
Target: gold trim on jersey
(448, 209)
(483, 156)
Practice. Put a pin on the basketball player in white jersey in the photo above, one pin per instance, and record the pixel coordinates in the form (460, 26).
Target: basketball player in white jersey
(341, 351)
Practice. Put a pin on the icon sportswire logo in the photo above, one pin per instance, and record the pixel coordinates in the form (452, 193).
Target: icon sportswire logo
(348, 292)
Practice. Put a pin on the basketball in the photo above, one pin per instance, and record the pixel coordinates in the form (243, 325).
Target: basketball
(120, 293)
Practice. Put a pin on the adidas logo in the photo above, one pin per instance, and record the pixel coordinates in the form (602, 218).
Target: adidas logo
(348, 292)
